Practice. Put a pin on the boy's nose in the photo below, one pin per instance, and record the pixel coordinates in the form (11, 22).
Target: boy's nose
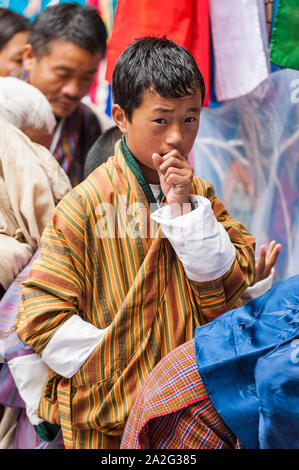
(175, 137)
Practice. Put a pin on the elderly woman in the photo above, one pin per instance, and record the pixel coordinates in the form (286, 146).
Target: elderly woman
(31, 184)
(14, 30)
(31, 181)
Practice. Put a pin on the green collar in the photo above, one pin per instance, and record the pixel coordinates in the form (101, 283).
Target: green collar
(135, 168)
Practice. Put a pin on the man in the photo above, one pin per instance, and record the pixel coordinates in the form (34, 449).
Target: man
(64, 49)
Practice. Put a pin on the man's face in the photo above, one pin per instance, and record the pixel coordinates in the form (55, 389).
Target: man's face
(160, 125)
(11, 54)
(64, 75)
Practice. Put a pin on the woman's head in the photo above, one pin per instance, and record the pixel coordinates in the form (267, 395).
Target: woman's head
(14, 30)
(27, 108)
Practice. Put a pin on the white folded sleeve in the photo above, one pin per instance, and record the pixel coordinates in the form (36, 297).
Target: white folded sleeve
(71, 346)
(29, 373)
(259, 288)
(200, 242)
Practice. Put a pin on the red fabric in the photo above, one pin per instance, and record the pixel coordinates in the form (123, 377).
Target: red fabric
(93, 91)
(186, 23)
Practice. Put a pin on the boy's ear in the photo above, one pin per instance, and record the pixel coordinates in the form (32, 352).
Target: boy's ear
(119, 117)
(28, 57)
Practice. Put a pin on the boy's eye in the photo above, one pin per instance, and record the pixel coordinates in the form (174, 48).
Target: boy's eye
(160, 121)
(190, 119)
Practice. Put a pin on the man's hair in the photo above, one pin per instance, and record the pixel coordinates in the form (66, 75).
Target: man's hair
(25, 106)
(81, 25)
(155, 64)
(102, 149)
(11, 23)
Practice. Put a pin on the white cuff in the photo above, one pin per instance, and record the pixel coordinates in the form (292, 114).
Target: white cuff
(71, 346)
(29, 373)
(259, 288)
(200, 242)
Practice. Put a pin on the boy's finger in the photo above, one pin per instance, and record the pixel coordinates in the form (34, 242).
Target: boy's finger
(176, 179)
(174, 153)
(172, 162)
(185, 172)
(157, 160)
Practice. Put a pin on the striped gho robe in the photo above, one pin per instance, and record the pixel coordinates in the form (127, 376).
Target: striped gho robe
(135, 288)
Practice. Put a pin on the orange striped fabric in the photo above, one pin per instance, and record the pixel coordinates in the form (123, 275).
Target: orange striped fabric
(136, 286)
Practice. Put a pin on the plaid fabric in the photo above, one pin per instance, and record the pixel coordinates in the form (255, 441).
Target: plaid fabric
(173, 409)
(79, 131)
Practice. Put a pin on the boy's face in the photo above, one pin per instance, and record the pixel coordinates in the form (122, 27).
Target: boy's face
(160, 125)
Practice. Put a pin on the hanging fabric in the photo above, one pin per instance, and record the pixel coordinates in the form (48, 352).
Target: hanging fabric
(284, 46)
(186, 23)
(241, 61)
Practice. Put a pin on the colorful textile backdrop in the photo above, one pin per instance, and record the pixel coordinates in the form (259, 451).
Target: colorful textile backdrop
(248, 149)
(284, 46)
(31, 8)
(240, 46)
(186, 23)
(100, 93)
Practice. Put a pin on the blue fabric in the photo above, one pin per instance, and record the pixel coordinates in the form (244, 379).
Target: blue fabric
(231, 349)
(277, 386)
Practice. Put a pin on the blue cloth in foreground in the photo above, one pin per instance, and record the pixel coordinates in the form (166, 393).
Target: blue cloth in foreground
(248, 359)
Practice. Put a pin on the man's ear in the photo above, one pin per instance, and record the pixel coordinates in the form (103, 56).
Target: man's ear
(28, 57)
(119, 117)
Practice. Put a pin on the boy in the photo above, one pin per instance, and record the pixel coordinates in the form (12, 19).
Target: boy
(112, 293)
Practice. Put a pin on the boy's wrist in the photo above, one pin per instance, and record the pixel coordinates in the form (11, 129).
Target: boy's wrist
(181, 208)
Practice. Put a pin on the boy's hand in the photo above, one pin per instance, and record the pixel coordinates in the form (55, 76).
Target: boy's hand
(176, 175)
(266, 260)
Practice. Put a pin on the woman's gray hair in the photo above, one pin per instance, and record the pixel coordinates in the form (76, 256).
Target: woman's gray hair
(25, 106)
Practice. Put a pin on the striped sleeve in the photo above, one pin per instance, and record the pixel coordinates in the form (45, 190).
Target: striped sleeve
(52, 295)
(220, 295)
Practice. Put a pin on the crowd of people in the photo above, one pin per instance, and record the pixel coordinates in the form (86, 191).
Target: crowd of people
(118, 265)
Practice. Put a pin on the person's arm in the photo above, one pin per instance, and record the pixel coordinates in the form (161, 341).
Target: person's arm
(217, 252)
(49, 318)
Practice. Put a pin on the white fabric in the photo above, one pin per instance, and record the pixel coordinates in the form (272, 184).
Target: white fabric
(259, 288)
(200, 242)
(31, 184)
(71, 346)
(29, 373)
(240, 58)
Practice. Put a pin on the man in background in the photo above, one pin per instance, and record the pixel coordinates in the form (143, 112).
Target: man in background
(64, 48)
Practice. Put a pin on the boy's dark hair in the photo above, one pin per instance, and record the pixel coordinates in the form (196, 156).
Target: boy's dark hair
(156, 64)
(11, 23)
(102, 149)
(79, 24)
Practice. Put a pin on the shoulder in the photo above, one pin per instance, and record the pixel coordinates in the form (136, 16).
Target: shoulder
(96, 189)
(202, 187)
